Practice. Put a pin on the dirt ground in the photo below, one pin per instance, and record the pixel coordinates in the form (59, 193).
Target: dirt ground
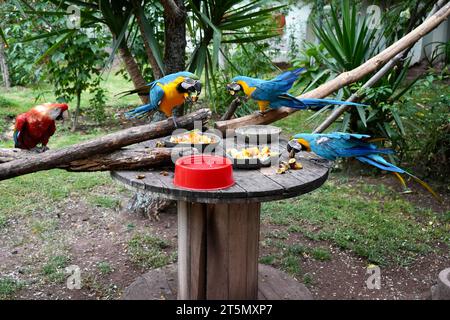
(94, 235)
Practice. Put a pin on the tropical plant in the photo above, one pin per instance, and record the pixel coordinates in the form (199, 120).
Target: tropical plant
(210, 24)
(349, 41)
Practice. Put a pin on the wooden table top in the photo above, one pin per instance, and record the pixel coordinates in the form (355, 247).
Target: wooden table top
(259, 185)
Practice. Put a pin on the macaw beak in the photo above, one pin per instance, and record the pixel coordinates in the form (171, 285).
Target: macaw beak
(190, 86)
(63, 115)
(294, 147)
(233, 88)
(198, 87)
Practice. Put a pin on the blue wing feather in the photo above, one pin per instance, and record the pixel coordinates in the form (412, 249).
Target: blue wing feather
(156, 95)
(16, 139)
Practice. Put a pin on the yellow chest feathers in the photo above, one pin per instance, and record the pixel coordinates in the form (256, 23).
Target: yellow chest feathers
(172, 98)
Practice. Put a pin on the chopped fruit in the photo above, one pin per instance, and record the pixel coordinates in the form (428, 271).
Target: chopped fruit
(252, 153)
(193, 137)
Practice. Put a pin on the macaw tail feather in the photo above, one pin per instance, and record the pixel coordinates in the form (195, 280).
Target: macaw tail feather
(142, 91)
(426, 186)
(314, 103)
(381, 163)
(402, 181)
(139, 112)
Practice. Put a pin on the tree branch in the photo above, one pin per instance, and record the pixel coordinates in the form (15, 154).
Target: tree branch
(370, 83)
(232, 108)
(345, 78)
(123, 159)
(105, 144)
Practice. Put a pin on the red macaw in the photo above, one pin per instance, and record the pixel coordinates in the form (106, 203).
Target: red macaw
(38, 125)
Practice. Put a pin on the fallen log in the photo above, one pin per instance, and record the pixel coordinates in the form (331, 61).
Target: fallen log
(123, 159)
(98, 146)
(345, 78)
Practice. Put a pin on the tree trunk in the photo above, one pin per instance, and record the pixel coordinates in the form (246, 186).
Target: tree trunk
(175, 38)
(77, 113)
(105, 144)
(175, 35)
(133, 70)
(4, 66)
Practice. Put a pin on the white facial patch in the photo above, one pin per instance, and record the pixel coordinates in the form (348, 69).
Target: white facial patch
(54, 113)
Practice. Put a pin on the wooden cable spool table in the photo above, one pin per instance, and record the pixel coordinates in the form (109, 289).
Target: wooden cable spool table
(218, 231)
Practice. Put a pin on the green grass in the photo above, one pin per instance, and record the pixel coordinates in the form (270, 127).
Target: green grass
(148, 251)
(54, 269)
(104, 267)
(371, 220)
(289, 256)
(8, 287)
(321, 254)
(3, 221)
(20, 99)
(103, 201)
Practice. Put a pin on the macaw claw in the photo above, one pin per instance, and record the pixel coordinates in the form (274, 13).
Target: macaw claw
(39, 149)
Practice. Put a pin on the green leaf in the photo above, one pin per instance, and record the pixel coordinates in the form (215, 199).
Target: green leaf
(398, 121)
(2, 36)
(61, 39)
(362, 114)
(150, 35)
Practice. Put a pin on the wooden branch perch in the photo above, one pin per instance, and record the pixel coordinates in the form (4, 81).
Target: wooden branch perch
(123, 159)
(232, 108)
(102, 145)
(357, 95)
(345, 78)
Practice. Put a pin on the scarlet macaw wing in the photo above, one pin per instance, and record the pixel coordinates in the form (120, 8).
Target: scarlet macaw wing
(50, 131)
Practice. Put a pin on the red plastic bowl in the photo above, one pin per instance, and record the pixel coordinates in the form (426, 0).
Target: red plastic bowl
(203, 172)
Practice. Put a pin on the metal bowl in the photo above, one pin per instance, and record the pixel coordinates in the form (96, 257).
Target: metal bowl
(201, 147)
(258, 134)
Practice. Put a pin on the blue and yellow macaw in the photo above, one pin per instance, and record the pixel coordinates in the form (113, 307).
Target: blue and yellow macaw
(166, 94)
(274, 93)
(345, 145)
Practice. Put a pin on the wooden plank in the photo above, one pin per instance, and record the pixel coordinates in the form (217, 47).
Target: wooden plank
(253, 221)
(197, 224)
(217, 272)
(238, 251)
(256, 184)
(184, 270)
(251, 185)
